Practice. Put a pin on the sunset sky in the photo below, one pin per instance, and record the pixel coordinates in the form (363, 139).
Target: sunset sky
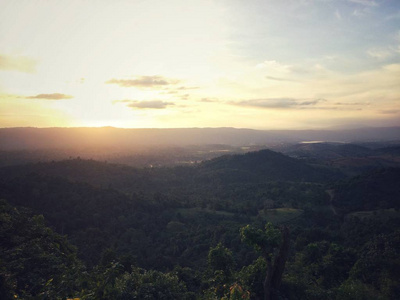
(271, 64)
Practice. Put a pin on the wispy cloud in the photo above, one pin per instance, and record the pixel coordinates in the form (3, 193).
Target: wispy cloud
(280, 79)
(280, 71)
(188, 88)
(351, 103)
(184, 97)
(393, 16)
(144, 82)
(279, 103)
(370, 3)
(365, 8)
(150, 104)
(54, 96)
(274, 66)
(177, 90)
(381, 53)
(338, 15)
(390, 111)
(209, 100)
(169, 92)
(17, 63)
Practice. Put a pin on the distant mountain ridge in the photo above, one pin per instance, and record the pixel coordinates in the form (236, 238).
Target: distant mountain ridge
(44, 138)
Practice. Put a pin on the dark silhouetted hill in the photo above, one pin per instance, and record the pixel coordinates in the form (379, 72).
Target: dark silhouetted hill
(266, 165)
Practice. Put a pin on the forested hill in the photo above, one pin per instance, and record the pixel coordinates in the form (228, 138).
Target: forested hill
(252, 167)
(267, 165)
(183, 225)
(375, 189)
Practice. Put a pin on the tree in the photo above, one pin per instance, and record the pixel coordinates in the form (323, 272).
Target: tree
(273, 244)
(35, 262)
(221, 258)
(252, 277)
(221, 264)
(142, 284)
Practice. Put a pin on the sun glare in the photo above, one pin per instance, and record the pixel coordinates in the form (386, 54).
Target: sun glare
(197, 63)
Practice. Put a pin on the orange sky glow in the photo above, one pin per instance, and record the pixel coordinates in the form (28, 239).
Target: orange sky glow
(291, 64)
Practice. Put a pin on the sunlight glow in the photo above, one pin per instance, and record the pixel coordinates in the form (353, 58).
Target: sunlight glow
(198, 63)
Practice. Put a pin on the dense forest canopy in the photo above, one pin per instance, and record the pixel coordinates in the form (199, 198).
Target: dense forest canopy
(213, 230)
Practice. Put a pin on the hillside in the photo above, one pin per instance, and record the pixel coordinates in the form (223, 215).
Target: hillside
(169, 221)
(351, 159)
(377, 189)
(266, 165)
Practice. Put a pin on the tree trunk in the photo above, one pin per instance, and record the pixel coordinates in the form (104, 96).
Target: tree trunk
(280, 260)
(275, 270)
(268, 277)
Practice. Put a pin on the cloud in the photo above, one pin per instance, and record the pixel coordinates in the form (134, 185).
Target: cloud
(280, 79)
(338, 15)
(279, 71)
(390, 111)
(144, 82)
(279, 103)
(351, 103)
(184, 97)
(274, 66)
(380, 53)
(209, 100)
(365, 10)
(369, 3)
(393, 16)
(150, 104)
(54, 96)
(188, 88)
(17, 63)
(173, 90)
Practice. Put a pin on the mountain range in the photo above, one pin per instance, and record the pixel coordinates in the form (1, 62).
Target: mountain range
(45, 138)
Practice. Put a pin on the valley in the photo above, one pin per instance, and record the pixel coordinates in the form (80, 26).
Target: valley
(167, 219)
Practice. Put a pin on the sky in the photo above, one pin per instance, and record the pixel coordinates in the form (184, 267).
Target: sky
(271, 64)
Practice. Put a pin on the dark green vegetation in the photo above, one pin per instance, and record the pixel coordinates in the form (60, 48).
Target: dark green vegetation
(234, 227)
(352, 159)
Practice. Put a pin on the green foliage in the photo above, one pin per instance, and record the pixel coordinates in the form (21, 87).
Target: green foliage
(112, 282)
(221, 258)
(141, 284)
(191, 278)
(153, 221)
(356, 290)
(378, 189)
(102, 282)
(35, 261)
(252, 277)
(221, 264)
(263, 241)
(379, 265)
